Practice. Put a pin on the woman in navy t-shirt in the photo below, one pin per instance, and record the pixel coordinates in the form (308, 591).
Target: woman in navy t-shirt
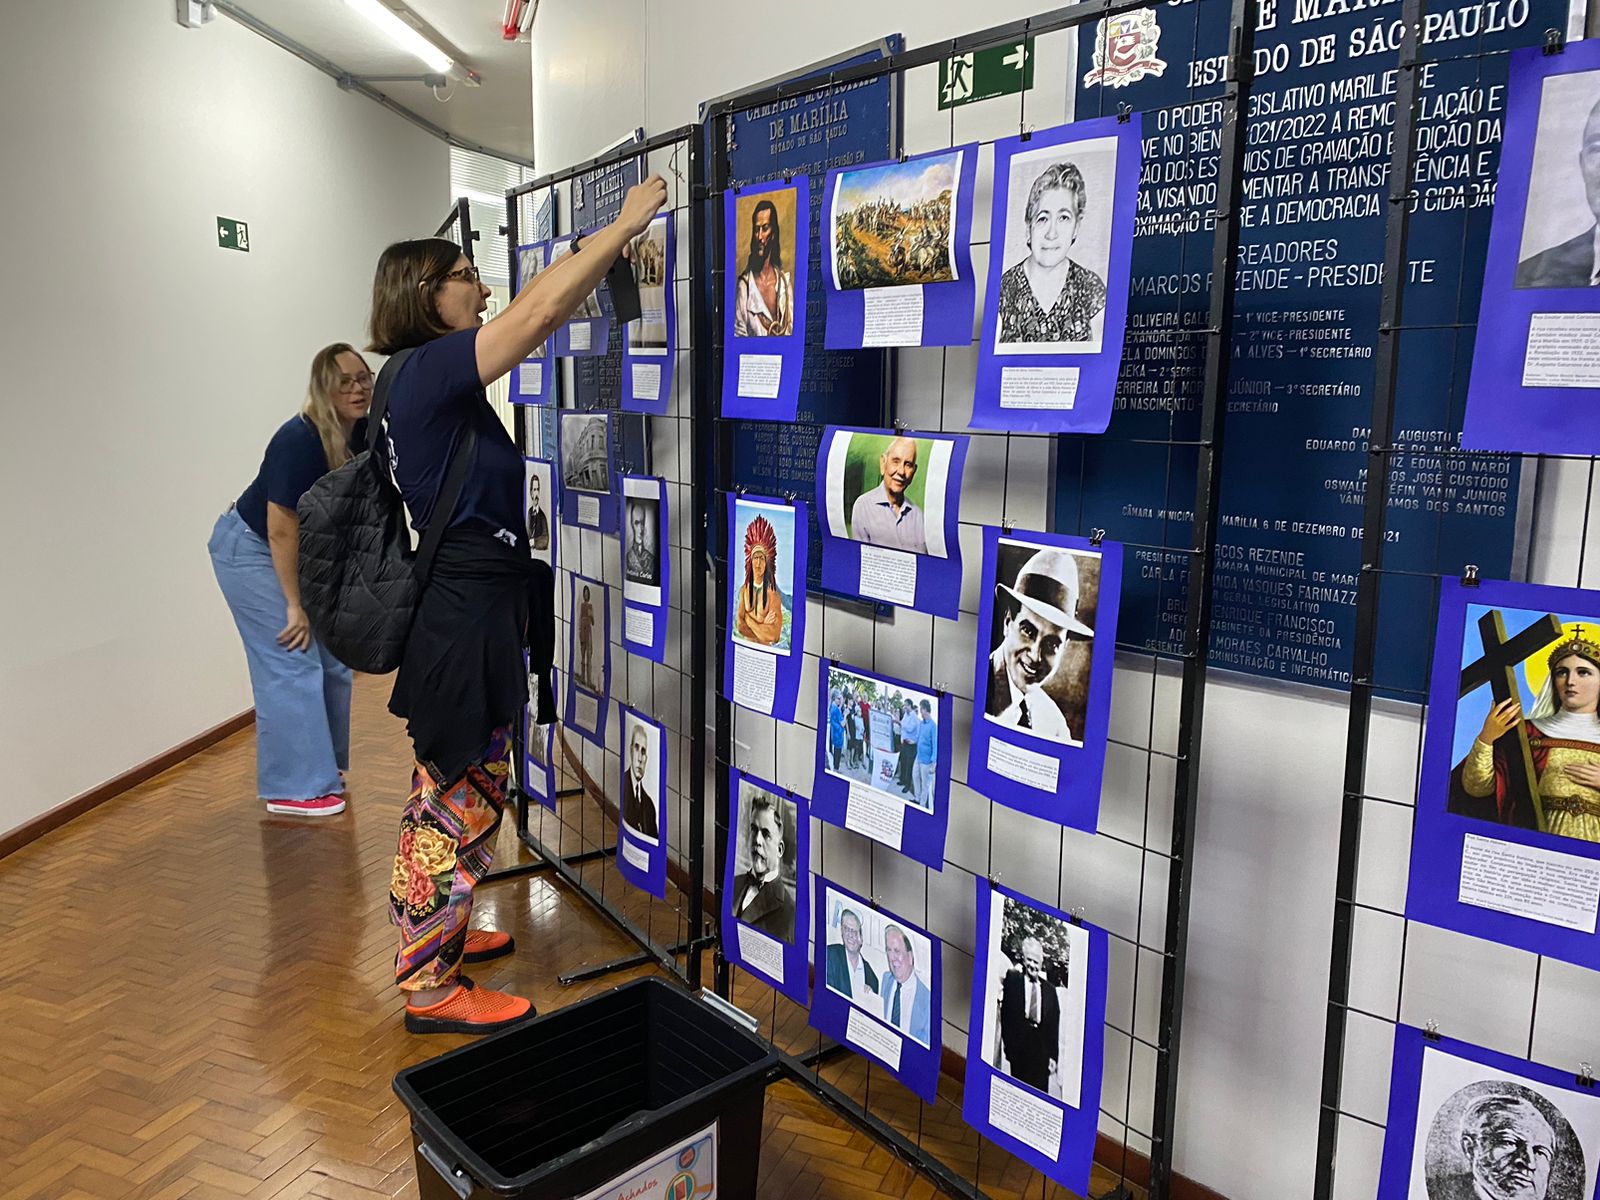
(302, 693)
(461, 683)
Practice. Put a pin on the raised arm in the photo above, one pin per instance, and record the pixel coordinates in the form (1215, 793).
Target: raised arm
(554, 295)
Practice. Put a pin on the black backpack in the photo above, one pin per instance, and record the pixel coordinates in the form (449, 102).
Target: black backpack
(359, 580)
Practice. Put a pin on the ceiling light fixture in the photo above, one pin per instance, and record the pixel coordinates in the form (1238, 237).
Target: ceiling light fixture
(402, 35)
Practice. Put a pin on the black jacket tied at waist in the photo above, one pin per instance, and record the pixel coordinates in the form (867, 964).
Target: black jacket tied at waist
(461, 677)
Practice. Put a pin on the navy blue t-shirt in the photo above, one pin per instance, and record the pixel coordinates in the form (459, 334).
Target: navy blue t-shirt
(433, 399)
(293, 462)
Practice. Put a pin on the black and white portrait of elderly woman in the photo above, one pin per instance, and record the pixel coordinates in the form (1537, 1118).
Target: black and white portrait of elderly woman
(1057, 249)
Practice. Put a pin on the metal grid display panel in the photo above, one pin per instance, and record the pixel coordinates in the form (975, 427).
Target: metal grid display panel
(1386, 969)
(579, 836)
(1132, 876)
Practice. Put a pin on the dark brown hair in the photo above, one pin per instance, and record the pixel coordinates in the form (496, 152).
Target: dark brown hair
(403, 312)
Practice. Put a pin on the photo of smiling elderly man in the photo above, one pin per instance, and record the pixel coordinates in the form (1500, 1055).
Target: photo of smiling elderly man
(1042, 639)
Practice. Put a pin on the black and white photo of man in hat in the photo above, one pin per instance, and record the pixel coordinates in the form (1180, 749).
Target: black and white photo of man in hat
(1036, 617)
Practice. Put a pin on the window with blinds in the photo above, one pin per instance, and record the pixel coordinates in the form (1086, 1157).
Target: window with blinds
(484, 180)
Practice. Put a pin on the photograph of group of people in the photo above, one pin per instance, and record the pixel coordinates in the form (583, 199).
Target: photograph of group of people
(879, 965)
(883, 736)
(888, 489)
(893, 224)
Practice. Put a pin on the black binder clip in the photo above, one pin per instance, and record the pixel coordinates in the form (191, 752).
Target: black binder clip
(791, 498)
(1075, 915)
(938, 689)
(1469, 575)
(873, 901)
(994, 880)
(902, 156)
(787, 177)
(1555, 42)
(1096, 536)
(1026, 134)
(1124, 113)
(1007, 524)
(1430, 1030)
(1585, 1075)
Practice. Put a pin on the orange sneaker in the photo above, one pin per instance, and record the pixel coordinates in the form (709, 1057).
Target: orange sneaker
(484, 944)
(469, 1009)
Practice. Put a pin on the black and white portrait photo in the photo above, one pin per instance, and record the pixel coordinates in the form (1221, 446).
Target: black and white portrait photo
(1041, 639)
(641, 770)
(1034, 998)
(1560, 245)
(586, 452)
(1057, 249)
(764, 885)
(539, 500)
(641, 562)
(1482, 1134)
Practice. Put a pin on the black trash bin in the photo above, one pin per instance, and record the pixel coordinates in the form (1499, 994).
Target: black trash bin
(553, 1109)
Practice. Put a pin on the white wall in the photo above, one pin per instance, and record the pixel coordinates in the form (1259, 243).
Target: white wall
(144, 368)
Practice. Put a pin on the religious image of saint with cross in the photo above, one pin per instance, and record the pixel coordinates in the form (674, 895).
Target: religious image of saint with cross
(1539, 770)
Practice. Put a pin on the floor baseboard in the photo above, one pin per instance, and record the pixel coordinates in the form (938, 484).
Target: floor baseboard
(56, 817)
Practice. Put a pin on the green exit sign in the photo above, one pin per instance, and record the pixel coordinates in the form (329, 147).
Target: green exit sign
(233, 235)
(985, 74)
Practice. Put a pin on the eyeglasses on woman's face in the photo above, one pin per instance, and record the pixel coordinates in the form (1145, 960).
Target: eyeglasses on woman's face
(467, 274)
(351, 383)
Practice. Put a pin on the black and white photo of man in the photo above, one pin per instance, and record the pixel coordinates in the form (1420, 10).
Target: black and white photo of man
(1501, 1142)
(1036, 617)
(538, 524)
(1034, 992)
(638, 804)
(1564, 188)
(639, 561)
(763, 895)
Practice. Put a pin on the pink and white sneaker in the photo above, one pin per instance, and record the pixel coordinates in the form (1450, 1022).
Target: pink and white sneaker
(322, 806)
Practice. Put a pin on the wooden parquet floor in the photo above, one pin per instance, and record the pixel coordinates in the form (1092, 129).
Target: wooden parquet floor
(199, 1002)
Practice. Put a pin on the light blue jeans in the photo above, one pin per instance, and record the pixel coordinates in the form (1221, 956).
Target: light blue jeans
(302, 696)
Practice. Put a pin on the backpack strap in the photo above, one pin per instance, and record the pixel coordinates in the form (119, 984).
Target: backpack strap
(455, 475)
(444, 504)
(380, 401)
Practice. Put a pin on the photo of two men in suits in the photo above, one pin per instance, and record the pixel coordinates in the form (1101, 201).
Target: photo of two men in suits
(880, 965)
